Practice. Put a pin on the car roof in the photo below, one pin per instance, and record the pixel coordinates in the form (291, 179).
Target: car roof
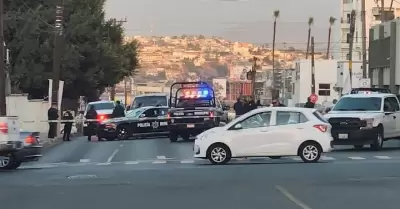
(149, 107)
(296, 109)
(152, 94)
(100, 102)
(375, 95)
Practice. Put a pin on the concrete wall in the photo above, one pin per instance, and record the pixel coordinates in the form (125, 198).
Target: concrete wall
(31, 113)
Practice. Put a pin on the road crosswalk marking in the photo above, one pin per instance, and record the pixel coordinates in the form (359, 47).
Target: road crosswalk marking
(188, 161)
(383, 157)
(357, 158)
(84, 160)
(327, 158)
(131, 163)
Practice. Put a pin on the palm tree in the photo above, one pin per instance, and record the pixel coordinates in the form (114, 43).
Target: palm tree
(331, 22)
(310, 23)
(276, 16)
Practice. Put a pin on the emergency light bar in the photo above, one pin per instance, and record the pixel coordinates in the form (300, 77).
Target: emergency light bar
(200, 93)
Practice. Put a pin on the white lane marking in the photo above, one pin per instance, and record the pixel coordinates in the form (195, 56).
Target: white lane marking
(187, 161)
(291, 197)
(103, 164)
(296, 158)
(84, 160)
(112, 155)
(159, 162)
(357, 158)
(383, 157)
(161, 157)
(131, 163)
(327, 158)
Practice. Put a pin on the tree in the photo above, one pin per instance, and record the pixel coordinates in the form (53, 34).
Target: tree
(94, 54)
(310, 23)
(331, 22)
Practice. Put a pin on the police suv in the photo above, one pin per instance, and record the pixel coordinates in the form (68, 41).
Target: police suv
(366, 118)
(193, 110)
(144, 121)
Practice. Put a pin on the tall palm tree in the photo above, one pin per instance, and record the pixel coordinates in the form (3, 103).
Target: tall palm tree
(276, 16)
(310, 23)
(331, 22)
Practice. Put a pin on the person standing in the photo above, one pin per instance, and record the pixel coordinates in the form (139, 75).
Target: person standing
(92, 125)
(238, 107)
(52, 115)
(67, 125)
(277, 103)
(252, 104)
(119, 110)
(309, 104)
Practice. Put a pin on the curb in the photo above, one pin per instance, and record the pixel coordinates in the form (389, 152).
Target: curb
(48, 144)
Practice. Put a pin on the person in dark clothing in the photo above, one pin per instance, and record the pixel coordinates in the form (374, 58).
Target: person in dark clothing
(238, 107)
(52, 114)
(258, 103)
(277, 103)
(246, 106)
(67, 125)
(252, 104)
(92, 125)
(309, 104)
(118, 111)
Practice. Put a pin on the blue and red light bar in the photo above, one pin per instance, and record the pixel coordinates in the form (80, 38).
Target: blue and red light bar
(196, 93)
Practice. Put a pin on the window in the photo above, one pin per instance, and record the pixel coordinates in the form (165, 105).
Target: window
(324, 86)
(390, 104)
(348, 37)
(287, 118)
(324, 92)
(256, 121)
(102, 106)
(324, 89)
(150, 113)
(358, 104)
(144, 101)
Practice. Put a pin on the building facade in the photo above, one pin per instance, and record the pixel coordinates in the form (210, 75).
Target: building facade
(372, 17)
(384, 52)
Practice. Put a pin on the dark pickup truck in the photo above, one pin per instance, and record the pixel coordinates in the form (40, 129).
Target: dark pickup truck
(193, 110)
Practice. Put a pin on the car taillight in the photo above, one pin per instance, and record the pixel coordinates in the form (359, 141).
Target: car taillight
(322, 128)
(101, 117)
(211, 114)
(30, 140)
(169, 115)
(3, 127)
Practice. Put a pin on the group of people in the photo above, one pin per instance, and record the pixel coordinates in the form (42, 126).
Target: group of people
(52, 115)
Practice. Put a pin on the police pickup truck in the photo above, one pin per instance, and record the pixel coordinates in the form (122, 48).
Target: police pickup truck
(365, 119)
(193, 110)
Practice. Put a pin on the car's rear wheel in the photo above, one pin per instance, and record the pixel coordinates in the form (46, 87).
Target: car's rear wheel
(173, 137)
(219, 154)
(7, 162)
(310, 152)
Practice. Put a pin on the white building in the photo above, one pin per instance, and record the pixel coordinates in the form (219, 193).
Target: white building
(325, 80)
(372, 17)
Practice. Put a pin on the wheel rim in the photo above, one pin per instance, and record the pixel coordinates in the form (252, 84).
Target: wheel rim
(379, 139)
(218, 154)
(122, 133)
(310, 152)
(4, 161)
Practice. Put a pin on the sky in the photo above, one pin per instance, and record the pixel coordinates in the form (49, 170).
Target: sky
(236, 20)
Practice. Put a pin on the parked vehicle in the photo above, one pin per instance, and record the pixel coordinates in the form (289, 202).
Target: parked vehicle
(267, 132)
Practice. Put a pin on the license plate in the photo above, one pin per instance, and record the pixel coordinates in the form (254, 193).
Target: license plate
(190, 125)
(343, 136)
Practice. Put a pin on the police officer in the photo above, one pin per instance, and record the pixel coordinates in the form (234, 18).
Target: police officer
(67, 125)
(92, 125)
(52, 114)
(119, 110)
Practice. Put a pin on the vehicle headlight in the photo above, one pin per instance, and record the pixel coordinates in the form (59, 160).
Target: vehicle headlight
(369, 122)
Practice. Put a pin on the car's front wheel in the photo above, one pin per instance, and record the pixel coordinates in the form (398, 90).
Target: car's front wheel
(310, 152)
(8, 162)
(219, 154)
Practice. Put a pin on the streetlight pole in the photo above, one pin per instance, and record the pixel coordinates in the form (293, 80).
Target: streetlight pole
(3, 106)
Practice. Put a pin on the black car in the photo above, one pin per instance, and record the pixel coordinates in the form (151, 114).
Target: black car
(193, 109)
(144, 121)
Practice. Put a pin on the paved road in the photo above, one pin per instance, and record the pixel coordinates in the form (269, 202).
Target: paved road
(153, 173)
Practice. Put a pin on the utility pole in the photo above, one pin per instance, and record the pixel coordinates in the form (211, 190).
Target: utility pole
(126, 91)
(3, 106)
(58, 44)
(253, 77)
(351, 42)
(112, 92)
(383, 18)
(312, 66)
(364, 39)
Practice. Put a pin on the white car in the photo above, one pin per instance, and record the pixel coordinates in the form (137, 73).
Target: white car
(267, 132)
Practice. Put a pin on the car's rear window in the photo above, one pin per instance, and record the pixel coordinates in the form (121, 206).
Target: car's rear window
(102, 106)
(320, 117)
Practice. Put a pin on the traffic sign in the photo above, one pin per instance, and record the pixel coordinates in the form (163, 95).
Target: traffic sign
(313, 98)
(365, 83)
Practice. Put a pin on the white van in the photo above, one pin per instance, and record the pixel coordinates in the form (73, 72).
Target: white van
(10, 140)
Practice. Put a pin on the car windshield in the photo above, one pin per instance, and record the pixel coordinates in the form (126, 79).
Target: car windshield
(102, 106)
(144, 101)
(358, 104)
(135, 113)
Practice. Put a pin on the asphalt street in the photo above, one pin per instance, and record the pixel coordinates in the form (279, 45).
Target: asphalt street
(154, 173)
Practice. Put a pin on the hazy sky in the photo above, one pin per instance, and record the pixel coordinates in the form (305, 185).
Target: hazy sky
(241, 20)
